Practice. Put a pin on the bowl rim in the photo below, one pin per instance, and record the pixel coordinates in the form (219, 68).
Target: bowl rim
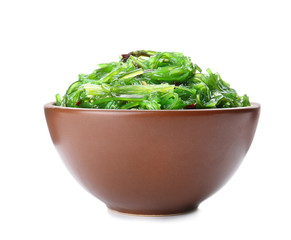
(52, 105)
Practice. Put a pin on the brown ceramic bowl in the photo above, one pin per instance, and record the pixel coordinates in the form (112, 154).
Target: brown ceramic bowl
(152, 162)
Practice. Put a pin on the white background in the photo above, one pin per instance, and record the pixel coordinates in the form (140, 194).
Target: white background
(46, 44)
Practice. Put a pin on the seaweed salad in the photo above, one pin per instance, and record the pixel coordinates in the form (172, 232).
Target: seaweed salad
(151, 80)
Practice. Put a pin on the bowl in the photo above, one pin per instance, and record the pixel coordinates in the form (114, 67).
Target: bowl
(152, 162)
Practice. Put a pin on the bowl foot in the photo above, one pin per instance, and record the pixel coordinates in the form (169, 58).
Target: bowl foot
(155, 213)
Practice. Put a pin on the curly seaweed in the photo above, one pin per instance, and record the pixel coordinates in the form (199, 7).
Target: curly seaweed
(152, 81)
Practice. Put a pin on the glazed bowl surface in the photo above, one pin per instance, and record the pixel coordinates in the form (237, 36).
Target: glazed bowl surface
(152, 162)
